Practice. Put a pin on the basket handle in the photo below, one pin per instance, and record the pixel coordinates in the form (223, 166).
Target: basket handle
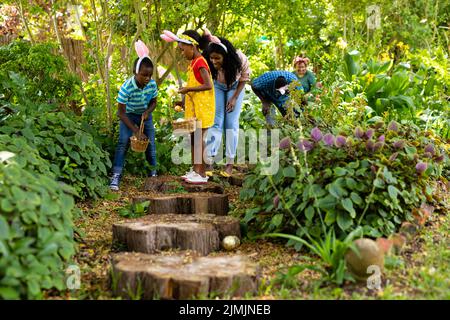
(141, 127)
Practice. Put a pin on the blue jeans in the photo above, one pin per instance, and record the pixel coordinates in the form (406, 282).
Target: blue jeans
(125, 134)
(224, 120)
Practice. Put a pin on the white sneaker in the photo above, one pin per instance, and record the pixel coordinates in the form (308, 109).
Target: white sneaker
(195, 178)
(187, 174)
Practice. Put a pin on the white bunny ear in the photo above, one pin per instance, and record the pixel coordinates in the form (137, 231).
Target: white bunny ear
(141, 49)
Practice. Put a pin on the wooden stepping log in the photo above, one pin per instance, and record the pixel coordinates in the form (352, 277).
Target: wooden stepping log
(169, 183)
(201, 233)
(182, 276)
(187, 204)
(237, 179)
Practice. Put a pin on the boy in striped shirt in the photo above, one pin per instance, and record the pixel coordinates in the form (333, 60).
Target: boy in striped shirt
(136, 99)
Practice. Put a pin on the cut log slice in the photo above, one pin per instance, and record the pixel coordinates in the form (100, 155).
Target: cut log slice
(168, 183)
(201, 233)
(237, 179)
(196, 203)
(182, 276)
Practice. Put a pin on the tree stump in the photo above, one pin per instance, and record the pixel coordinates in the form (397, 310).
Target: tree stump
(201, 233)
(182, 276)
(168, 183)
(237, 179)
(187, 204)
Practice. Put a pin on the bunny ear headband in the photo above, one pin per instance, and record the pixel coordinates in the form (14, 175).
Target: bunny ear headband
(142, 52)
(214, 39)
(300, 59)
(171, 37)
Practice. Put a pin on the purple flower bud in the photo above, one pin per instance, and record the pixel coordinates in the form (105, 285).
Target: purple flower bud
(421, 167)
(373, 168)
(276, 201)
(341, 141)
(378, 145)
(369, 133)
(428, 155)
(399, 144)
(440, 158)
(393, 126)
(393, 156)
(359, 133)
(370, 145)
(316, 134)
(285, 143)
(328, 139)
(381, 138)
(429, 148)
(308, 145)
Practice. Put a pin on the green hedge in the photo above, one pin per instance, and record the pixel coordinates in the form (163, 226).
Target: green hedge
(36, 228)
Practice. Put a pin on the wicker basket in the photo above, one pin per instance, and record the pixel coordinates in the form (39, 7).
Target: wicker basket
(139, 142)
(187, 125)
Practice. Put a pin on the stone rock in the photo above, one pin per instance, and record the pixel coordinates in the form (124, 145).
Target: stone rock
(369, 254)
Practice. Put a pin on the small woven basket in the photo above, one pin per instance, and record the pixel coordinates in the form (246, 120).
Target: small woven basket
(139, 142)
(187, 125)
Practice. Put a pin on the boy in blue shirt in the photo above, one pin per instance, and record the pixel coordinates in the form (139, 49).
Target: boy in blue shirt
(271, 87)
(136, 99)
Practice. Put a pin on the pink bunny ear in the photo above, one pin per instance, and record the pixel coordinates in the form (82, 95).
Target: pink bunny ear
(141, 49)
(211, 38)
(166, 38)
(170, 35)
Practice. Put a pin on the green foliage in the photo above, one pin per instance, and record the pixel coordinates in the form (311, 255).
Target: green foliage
(330, 250)
(73, 156)
(373, 182)
(45, 74)
(36, 229)
(134, 210)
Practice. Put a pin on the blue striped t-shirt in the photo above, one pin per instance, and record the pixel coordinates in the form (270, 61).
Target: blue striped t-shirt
(135, 98)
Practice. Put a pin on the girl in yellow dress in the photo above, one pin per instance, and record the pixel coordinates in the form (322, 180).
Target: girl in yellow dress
(199, 101)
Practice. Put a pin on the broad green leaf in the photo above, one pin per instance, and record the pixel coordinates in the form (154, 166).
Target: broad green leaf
(348, 205)
(4, 228)
(309, 212)
(356, 198)
(289, 172)
(338, 171)
(344, 221)
(328, 202)
(277, 219)
(393, 192)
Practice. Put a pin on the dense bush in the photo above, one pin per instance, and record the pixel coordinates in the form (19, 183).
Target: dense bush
(36, 229)
(371, 177)
(45, 74)
(73, 156)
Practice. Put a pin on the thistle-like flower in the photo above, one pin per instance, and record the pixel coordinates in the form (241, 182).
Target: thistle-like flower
(328, 139)
(421, 167)
(316, 134)
(285, 143)
(341, 141)
(359, 133)
(399, 144)
(393, 126)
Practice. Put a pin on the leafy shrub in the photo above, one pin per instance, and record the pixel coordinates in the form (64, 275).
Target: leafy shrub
(371, 177)
(73, 156)
(36, 229)
(46, 76)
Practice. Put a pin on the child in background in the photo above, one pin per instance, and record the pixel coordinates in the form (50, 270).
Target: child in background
(136, 100)
(199, 99)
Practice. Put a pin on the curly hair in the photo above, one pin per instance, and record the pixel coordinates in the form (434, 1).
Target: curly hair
(232, 64)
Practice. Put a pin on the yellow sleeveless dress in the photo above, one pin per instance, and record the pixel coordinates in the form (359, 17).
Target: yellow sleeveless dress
(200, 104)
